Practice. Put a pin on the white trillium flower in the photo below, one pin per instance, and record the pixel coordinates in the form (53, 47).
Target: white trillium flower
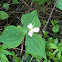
(32, 30)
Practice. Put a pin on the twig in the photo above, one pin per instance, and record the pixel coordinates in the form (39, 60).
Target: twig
(50, 16)
(18, 49)
(25, 4)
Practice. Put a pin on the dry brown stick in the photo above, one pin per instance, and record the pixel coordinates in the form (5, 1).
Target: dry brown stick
(50, 16)
(18, 49)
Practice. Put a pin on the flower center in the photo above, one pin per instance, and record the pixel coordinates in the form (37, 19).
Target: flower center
(31, 29)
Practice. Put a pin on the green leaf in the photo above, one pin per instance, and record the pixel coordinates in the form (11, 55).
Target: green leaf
(61, 59)
(45, 33)
(60, 44)
(6, 52)
(15, 1)
(54, 22)
(52, 46)
(59, 4)
(3, 15)
(59, 54)
(4, 57)
(55, 29)
(6, 6)
(30, 18)
(52, 56)
(12, 36)
(4, 46)
(3, 60)
(55, 51)
(50, 40)
(56, 41)
(35, 45)
(40, 1)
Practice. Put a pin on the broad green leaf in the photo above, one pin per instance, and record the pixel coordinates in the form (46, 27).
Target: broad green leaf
(40, 1)
(55, 29)
(6, 52)
(3, 60)
(6, 6)
(4, 57)
(4, 46)
(12, 36)
(35, 45)
(15, 1)
(3, 15)
(59, 4)
(30, 18)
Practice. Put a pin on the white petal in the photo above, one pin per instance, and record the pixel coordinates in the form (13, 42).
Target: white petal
(30, 33)
(30, 26)
(36, 29)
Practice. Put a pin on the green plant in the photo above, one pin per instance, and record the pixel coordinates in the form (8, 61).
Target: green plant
(3, 15)
(45, 34)
(3, 53)
(40, 45)
(15, 57)
(14, 35)
(6, 6)
(57, 47)
(55, 25)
